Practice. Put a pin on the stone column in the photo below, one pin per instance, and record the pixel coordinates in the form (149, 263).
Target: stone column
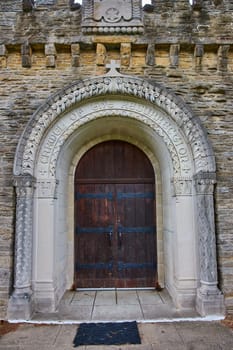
(209, 299)
(20, 304)
(185, 245)
(45, 269)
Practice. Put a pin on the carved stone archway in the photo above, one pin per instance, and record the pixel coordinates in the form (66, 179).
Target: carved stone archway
(58, 134)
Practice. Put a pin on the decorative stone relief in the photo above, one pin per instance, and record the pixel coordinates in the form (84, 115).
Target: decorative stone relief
(183, 186)
(108, 85)
(112, 16)
(209, 298)
(204, 183)
(148, 115)
(23, 244)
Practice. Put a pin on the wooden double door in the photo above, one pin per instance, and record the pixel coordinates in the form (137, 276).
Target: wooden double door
(115, 233)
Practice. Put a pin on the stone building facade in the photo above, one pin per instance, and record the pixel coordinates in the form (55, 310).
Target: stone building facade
(158, 77)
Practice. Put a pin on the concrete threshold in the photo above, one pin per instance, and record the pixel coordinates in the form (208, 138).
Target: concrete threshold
(212, 318)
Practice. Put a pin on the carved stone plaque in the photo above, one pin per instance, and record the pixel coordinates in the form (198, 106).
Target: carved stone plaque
(112, 16)
(112, 10)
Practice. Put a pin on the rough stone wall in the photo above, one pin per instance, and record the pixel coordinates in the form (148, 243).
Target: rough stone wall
(186, 49)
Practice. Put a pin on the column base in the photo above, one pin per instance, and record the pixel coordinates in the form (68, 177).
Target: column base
(20, 307)
(210, 302)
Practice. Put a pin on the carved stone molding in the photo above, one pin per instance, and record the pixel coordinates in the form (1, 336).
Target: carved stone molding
(156, 120)
(47, 188)
(104, 86)
(183, 186)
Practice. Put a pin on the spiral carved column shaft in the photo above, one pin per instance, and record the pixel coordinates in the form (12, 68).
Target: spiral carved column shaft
(209, 298)
(20, 305)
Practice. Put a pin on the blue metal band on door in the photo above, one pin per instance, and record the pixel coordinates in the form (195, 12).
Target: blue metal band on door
(143, 229)
(91, 266)
(132, 195)
(107, 195)
(94, 229)
(122, 266)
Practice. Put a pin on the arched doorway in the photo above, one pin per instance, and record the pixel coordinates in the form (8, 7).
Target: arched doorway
(115, 233)
(55, 139)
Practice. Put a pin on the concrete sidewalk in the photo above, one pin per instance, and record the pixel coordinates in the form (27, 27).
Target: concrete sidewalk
(154, 336)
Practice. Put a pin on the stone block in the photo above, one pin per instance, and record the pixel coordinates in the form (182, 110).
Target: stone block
(50, 49)
(3, 62)
(50, 61)
(75, 49)
(100, 54)
(26, 61)
(75, 61)
(150, 55)
(3, 50)
(174, 55)
(125, 52)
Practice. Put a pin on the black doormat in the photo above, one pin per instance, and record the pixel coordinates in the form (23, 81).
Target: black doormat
(107, 334)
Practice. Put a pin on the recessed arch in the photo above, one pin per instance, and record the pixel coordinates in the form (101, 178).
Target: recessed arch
(60, 132)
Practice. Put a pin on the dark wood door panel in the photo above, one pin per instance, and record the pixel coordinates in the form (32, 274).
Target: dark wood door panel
(94, 231)
(115, 244)
(114, 160)
(136, 233)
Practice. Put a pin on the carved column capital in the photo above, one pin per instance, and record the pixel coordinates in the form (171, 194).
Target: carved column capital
(204, 183)
(24, 185)
(182, 186)
(47, 188)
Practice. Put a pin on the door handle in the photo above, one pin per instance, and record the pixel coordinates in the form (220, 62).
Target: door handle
(110, 238)
(119, 240)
